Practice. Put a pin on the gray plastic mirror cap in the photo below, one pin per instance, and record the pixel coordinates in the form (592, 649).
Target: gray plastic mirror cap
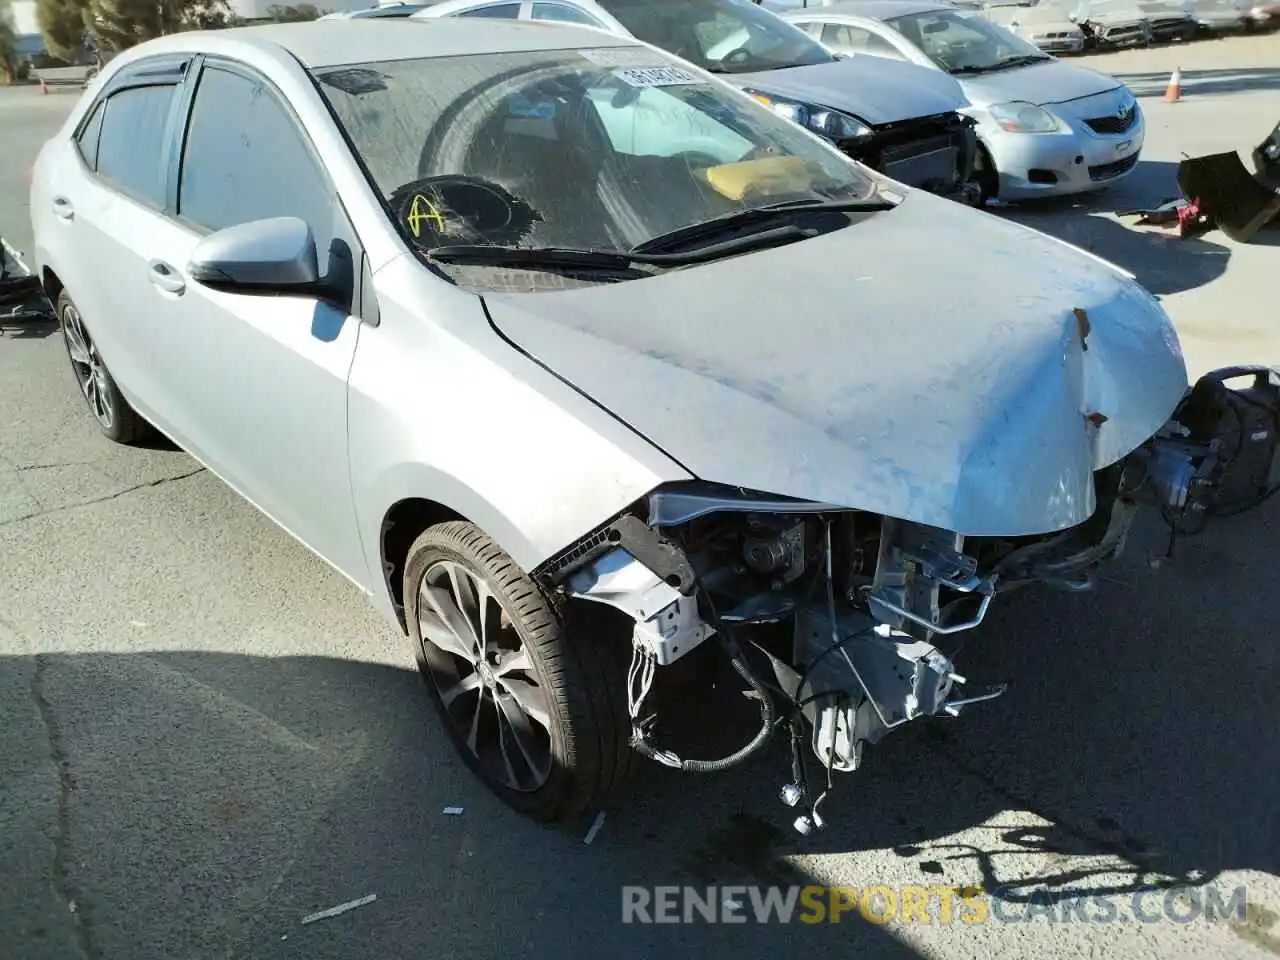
(276, 252)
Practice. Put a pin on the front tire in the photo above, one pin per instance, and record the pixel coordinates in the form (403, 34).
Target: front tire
(986, 176)
(537, 712)
(118, 421)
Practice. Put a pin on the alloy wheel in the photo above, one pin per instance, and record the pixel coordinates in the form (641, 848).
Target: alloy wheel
(485, 677)
(90, 371)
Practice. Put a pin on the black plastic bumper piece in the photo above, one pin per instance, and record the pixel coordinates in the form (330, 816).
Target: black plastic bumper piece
(1232, 197)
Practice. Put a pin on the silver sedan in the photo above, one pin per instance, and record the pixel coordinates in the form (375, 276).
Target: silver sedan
(1047, 127)
(579, 362)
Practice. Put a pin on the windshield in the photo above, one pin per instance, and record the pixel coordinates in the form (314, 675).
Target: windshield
(596, 149)
(723, 36)
(959, 41)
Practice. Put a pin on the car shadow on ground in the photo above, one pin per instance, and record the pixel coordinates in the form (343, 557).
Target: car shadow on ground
(1202, 82)
(12, 329)
(1132, 753)
(1162, 261)
(279, 787)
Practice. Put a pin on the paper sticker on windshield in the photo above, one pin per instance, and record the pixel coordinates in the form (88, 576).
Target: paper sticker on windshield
(656, 76)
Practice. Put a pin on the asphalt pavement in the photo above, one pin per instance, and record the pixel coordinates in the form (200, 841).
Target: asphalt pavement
(206, 735)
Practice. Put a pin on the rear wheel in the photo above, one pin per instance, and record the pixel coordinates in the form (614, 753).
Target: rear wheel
(118, 421)
(537, 712)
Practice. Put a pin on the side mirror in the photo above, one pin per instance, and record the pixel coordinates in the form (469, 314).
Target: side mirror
(275, 256)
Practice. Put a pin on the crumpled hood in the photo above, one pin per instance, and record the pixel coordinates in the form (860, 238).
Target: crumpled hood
(873, 89)
(1053, 81)
(923, 363)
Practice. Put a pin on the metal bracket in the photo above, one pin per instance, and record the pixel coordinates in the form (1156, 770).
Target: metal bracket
(668, 624)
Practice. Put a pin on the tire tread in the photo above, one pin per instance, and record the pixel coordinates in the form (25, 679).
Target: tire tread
(586, 672)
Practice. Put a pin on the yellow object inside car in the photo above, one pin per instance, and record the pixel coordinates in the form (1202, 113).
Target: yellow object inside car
(764, 175)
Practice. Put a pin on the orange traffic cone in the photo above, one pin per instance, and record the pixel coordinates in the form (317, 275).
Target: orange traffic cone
(1173, 92)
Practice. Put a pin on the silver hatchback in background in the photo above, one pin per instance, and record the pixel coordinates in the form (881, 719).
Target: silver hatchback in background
(1051, 27)
(1047, 127)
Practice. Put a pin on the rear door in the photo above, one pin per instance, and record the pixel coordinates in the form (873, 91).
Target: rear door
(256, 386)
(106, 208)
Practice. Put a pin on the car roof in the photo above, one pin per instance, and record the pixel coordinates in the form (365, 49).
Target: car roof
(874, 9)
(335, 43)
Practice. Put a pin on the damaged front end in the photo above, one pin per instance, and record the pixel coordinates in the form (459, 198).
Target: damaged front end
(836, 618)
(938, 154)
(22, 298)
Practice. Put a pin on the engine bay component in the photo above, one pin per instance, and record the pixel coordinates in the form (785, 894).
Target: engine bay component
(914, 564)
(667, 624)
(1221, 452)
(774, 546)
(638, 538)
(847, 606)
(679, 503)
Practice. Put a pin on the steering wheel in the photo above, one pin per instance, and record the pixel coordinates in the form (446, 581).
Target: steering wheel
(697, 158)
(733, 57)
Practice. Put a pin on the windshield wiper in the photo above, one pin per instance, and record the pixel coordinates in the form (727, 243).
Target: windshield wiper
(606, 261)
(564, 259)
(1006, 64)
(752, 215)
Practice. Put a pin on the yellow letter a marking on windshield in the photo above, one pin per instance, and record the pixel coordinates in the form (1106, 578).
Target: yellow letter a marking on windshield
(423, 209)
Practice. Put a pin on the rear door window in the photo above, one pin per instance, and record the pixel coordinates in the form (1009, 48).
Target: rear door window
(87, 141)
(563, 13)
(845, 38)
(503, 11)
(132, 146)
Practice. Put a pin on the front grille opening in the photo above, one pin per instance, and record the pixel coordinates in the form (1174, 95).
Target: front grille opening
(931, 139)
(1113, 124)
(1042, 176)
(1105, 171)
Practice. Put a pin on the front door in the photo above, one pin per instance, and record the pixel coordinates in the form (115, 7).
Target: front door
(256, 386)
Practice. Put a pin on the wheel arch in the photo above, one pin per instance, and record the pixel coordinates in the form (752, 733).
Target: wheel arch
(52, 283)
(412, 497)
(402, 523)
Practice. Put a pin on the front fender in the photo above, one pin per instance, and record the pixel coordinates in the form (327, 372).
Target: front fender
(410, 481)
(442, 408)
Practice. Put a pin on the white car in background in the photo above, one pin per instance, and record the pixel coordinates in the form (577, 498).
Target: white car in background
(1050, 26)
(1046, 127)
(395, 10)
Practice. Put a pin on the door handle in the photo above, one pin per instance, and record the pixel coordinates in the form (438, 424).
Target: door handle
(166, 278)
(62, 208)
